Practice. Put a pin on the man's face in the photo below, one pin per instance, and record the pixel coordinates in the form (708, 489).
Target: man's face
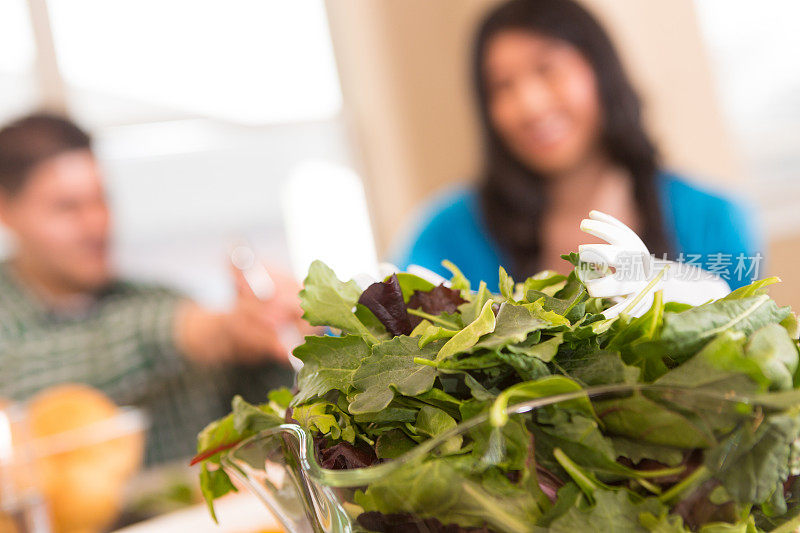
(61, 221)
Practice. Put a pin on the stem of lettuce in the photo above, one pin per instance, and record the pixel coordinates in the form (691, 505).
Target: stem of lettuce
(585, 481)
(649, 486)
(687, 483)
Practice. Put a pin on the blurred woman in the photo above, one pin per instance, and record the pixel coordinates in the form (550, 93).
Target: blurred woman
(563, 135)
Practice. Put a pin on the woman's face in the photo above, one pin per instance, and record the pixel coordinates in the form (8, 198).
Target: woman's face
(543, 100)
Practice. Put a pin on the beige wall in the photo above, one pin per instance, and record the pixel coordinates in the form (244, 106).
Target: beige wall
(403, 66)
(783, 256)
(661, 43)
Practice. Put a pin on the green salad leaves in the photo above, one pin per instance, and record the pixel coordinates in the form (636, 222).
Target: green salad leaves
(408, 362)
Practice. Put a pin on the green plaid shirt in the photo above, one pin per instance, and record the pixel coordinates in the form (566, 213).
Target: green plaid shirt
(123, 345)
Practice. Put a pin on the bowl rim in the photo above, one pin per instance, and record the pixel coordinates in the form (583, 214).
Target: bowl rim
(356, 477)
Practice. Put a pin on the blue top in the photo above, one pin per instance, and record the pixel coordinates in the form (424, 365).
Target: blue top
(700, 222)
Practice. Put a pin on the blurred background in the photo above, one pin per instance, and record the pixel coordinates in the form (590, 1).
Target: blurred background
(318, 129)
(205, 115)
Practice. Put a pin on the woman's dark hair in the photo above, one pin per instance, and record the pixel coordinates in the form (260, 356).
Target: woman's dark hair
(512, 196)
(33, 139)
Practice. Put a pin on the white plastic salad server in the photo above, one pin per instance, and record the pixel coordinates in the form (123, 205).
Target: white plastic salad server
(635, 270)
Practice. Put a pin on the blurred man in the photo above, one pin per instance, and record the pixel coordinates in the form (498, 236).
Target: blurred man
(64, 317)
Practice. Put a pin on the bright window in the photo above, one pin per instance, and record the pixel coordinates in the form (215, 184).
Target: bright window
(753, 48)
(16, 39)
(326, 218)
(246, 61)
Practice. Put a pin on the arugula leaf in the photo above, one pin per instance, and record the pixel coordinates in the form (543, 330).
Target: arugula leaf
(468, 337)
(218, 437)
(544, 350)
(437, 488)
(506, 284)
(391, 367)
(428, 333)
(458, 281)
(317, 415)
(470, 310)
(326, 301)
(394, 414)
(214, 484)
(545, 280)
(245, 420)
(560, 306)
(649, 356)
(513, 324)
(281, 397)
(248, 418)
(329, 363)
(643, 328)
(578, 436)
(371, 322)
(553, 318)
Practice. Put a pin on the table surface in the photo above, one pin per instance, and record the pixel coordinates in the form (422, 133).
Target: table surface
(237, 513)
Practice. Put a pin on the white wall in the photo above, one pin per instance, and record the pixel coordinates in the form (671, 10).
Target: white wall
(184, 192)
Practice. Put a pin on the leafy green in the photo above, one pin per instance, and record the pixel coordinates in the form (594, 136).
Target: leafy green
(775, 354)
(543, 281)
(218, 437)
(390, 368)
(326, 301)
(428, 333)
(646, 420)
(214, 484)
(432, 422)
(506, 284)
(513, 324)
(682, 419)
(468, 337)
(637, 450)
(754, 459)
(721, 365)
(617, 511)
(603, 368)
(459, 281)
(685, 333)
(329, 363)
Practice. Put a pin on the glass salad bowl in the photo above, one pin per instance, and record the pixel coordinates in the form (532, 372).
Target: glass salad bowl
(610, 458)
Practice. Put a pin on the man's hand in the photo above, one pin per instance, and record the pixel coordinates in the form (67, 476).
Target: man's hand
(250, 332)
